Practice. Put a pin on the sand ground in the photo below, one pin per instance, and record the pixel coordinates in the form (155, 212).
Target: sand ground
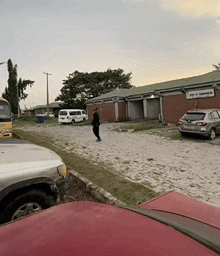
(186, 166)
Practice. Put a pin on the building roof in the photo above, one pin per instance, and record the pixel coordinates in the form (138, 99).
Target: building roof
(55, 104)
(190, 82)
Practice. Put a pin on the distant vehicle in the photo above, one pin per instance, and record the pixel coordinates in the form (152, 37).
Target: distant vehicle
(5, 119)
(69, 116)
(32, 178)
(171, 224)
(204, 122)
(51, 114)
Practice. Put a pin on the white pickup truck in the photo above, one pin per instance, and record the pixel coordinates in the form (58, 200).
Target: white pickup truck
(32, 178)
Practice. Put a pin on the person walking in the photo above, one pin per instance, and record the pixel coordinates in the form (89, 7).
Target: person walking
(96, 123)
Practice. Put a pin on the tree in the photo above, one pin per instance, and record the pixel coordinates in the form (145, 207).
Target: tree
(15, 90)
(79, 87)
(216, 66)
(10, 93)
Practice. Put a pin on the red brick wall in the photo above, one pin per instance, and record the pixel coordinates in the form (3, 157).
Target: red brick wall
(175, 106)
(122, 111)
(106, 111)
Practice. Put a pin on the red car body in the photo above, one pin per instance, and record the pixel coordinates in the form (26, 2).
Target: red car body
(86, 228)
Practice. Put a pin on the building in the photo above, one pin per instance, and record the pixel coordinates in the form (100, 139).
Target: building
(54, 107)
(166, 101)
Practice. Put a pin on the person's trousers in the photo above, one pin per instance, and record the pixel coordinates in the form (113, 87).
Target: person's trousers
(96, 131)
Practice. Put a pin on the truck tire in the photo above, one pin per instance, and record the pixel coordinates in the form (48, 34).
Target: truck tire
(24, 204)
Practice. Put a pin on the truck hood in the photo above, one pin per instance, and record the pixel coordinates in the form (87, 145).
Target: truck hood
(29, 166)
(25, 153)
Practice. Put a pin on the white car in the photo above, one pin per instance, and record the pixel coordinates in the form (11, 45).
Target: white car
(51, 114)
(32, 178)
(69, 116)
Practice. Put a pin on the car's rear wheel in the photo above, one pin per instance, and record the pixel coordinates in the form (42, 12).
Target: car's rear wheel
(27, 203)
(212, 134)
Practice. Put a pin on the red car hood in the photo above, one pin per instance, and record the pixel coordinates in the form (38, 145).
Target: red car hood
(85, 228)
(174, 202)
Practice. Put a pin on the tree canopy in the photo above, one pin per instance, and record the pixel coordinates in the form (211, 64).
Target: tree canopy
(79, 86)
(15, 90)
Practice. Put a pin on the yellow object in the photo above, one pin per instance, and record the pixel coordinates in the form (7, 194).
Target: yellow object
(5, 119)
(62, 170)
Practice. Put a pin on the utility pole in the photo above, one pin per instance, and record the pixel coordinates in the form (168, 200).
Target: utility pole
(19, 114)
(47, 74)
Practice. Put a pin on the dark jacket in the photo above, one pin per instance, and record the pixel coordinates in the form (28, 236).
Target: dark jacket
(95, 119)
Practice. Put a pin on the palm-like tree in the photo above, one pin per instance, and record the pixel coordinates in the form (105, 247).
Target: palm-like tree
(216, 66)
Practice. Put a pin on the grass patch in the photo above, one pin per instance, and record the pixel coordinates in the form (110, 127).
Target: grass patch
(176, 136)
(33, 121)
(26, 121)
(142, 126)
(128, 192)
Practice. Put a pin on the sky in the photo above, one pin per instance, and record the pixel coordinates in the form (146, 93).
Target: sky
(156, 40)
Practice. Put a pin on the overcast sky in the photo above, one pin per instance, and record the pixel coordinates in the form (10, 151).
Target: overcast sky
(156, 40)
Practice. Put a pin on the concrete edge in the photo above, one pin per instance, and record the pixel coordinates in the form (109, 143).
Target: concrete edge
(99, 193)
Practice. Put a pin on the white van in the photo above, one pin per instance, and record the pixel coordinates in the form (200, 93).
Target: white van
(69, 116)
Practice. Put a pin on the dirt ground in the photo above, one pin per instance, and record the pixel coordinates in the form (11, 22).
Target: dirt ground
(191, 167)
(76, 193)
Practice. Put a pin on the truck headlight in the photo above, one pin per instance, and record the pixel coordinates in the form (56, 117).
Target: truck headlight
(62, 170)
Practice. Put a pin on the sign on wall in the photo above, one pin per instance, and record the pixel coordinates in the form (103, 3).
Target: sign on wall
(200, 94)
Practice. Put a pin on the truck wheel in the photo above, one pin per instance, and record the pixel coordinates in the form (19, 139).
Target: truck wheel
(27, 203)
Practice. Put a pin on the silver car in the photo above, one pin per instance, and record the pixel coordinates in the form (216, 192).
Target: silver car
(204, 122)
(32, 178)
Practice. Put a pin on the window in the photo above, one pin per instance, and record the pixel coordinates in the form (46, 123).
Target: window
(194, 116)
(213, 115)
(63, 113)
(5, 110)
(73, 113)
(78, 113)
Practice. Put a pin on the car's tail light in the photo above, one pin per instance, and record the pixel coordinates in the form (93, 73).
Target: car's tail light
(180, 123)
(201, 124)
(62, 170)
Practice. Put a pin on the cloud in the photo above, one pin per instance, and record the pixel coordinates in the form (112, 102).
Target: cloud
(192, 8)
(185, 8)
(133, 1)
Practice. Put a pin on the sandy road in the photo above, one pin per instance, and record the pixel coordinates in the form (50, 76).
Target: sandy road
(186, 166)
